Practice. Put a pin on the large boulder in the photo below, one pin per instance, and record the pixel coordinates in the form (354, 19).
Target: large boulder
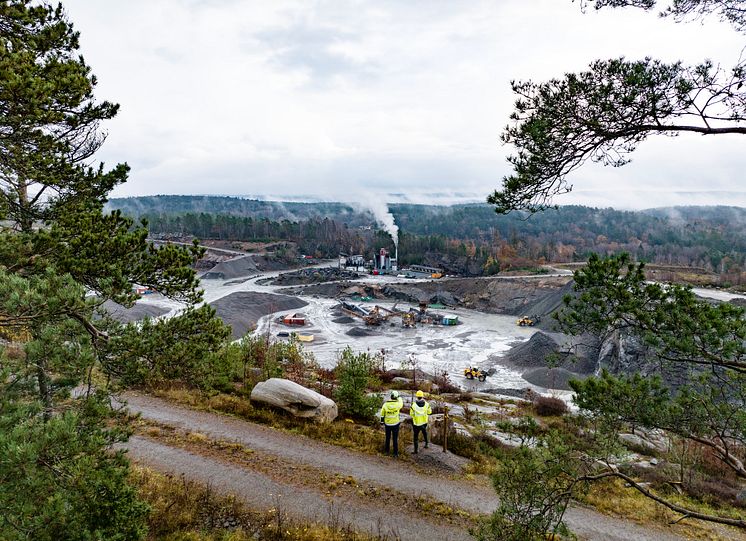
(294, 398)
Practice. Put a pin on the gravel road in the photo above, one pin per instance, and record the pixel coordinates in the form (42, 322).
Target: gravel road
(261, 492)
(400, 476)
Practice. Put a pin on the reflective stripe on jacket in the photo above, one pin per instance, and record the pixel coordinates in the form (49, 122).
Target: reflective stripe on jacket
(390, 411)
(419, 413)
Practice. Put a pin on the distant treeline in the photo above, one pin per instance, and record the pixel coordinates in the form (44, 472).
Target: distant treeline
(469, 238)
(708, 237)
(320, 237)
(237, 206)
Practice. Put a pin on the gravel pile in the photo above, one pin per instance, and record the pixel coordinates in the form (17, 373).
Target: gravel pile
(234, 268)
(405, 293)
(547, 304)
(314, 276)
(544, 349)
(136, 313)
(533, 353)
(344, 319)
(551, 378)
(243, 309)
(360, 331)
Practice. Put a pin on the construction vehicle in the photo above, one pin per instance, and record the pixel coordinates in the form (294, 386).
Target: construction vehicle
(527, 321)
(408, 320)
(475, 373)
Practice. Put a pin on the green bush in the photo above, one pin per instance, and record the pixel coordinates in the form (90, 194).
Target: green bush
(355, 376)
(534, 487)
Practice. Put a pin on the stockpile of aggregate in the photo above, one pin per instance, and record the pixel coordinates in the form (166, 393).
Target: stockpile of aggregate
(360, 331)
(241, 310)
(543, 360)
(546, 305)
(137, 312)
(314, 276)
(552, 378)
(233, 268)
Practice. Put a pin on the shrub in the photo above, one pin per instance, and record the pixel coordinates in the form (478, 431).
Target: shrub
(548, 406)
(355, 375)
(713, 491)
(534, 487)
(444, 383)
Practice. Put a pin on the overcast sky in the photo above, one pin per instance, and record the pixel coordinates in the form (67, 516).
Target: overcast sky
(372, 99)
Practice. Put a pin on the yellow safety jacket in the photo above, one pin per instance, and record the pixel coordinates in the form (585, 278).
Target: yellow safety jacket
(390, 411)
(419, 413)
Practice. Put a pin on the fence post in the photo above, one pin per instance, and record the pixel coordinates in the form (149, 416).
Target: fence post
(445, 429)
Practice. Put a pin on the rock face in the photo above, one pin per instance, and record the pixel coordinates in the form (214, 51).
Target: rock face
(621, 353)
(294, 398)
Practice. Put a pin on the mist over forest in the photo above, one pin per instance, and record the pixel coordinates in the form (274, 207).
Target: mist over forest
(483, 242)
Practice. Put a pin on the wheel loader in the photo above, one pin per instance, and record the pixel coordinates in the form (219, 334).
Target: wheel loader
(527, 321)
(475, 373)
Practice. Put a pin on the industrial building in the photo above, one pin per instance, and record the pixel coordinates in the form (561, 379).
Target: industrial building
(384, 263)
(352, 262)
(294, 319)
(423, 271)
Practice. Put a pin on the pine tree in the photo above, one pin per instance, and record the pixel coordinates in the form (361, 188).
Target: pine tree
(61, 258)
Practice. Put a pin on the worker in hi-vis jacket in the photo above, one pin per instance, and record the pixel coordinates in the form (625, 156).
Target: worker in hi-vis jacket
(420, 411)
(389, 415)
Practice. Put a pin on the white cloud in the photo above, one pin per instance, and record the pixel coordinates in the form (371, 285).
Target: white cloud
(337, 98)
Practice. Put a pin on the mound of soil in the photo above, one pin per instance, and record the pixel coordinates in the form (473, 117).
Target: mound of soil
(343, 319)
(234, 268)
(241, 310)
(136, 313)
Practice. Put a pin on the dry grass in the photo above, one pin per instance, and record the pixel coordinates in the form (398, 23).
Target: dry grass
(341, 432)
(549, 406)
(187, 511)
(613, 498)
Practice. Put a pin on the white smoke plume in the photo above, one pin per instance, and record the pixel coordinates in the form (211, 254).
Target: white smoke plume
(381, 212)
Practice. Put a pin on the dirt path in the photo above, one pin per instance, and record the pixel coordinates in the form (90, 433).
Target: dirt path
(305, 503)
(261, 492)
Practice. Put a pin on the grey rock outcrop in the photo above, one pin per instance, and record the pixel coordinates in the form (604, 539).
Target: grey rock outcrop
(623, 353)
(654, 442)
(295, 399)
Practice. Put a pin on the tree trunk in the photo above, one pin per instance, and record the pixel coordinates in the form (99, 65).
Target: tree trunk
(45, 391)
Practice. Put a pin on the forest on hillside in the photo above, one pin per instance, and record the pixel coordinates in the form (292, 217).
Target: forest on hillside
(466, 239)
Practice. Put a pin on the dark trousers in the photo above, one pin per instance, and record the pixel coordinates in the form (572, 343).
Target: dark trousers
(392, 431)
(417, 430)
